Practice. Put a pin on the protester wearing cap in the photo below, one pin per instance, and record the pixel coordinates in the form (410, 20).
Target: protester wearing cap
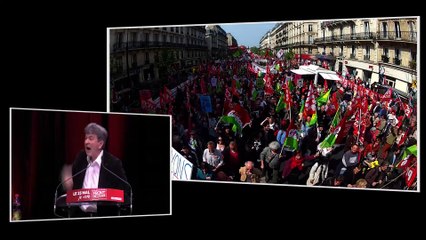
(270, 162)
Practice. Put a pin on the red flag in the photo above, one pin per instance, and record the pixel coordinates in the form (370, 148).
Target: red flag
(325, 86)
(387, 95)
(288, 98)
(410, 175)
(310, 104)
(406, 162)
(407, 110)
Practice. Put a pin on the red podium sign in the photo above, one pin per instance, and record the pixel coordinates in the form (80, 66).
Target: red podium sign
(95, 194)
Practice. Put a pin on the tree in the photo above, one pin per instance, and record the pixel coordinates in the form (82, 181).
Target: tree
(165, 61)
(255, 50)
(289, 55)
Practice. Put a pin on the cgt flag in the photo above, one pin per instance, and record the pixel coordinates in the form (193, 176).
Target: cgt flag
(410, 175)
(238, 117)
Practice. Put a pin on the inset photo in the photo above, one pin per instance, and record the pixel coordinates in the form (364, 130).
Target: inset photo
(319, 103)
(80, 165)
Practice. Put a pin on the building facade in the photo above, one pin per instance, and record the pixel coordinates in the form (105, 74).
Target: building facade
(143, 56)
(360, 45)
(265, 41)
(296, 36)
(232, 42)
(217, 41)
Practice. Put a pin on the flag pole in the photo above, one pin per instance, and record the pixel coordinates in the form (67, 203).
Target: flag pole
(217, 124)
(359, 126)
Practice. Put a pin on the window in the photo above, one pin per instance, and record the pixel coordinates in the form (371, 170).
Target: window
(146, 58)
(366, 30)
(134, 37)
(390, 81)
(384, 29)
(310, 39)
(119, 64)
(310, 50)
(413, 55)
(397, 59)
(134, 60)
(397, 53)
(353, 50)
(164, 37)
(397, 30)
(310, 27)
(156, 37)
(367, 50)
(341, 50)
(386, 52)
(146, 37)
(412, 28)
(352, 30)
(119, 38)
(341, 32)
(366, 27)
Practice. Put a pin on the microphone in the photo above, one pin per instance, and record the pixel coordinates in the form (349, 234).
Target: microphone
(126, 182)
(66, 180)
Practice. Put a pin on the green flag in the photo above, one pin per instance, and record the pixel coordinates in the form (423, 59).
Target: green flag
(411, 150)
(290, 142)
(277, 67)
(330, 139)
(337, 117)
(254, 94)
(302, 106)
(322, 100)
(290, 85)
(280, 105)
(314, 119)
(231, 120)
(237, 84)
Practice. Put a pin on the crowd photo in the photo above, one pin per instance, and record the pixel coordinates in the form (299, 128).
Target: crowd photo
(261, 119)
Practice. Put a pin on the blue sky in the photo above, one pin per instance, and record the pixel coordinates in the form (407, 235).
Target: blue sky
(248, 34)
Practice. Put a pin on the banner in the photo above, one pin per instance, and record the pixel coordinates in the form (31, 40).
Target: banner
(206, 104)
(180, 168)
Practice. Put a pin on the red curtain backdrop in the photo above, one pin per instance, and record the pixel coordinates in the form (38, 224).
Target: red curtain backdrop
(44, 141)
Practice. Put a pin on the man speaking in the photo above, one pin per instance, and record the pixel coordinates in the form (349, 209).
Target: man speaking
(96, 168)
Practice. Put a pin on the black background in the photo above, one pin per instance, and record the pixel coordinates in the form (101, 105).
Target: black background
(59, 61)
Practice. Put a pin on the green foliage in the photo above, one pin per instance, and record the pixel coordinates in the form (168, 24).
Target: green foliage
(289, 55)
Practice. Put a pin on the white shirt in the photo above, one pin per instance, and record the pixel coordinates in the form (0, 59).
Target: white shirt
(91, 180)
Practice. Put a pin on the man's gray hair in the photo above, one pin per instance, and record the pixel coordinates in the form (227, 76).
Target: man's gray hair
(274, 145)
(98, 130)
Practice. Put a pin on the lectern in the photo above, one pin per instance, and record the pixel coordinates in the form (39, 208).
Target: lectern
(101, 196)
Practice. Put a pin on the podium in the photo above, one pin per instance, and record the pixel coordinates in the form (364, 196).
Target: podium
(103, 197)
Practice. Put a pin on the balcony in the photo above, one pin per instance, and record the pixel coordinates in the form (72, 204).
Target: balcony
(404, 36)
(352, 56)
(362, 36)
(397, 61)
(385, 59)
(366, 57)
(118, 47)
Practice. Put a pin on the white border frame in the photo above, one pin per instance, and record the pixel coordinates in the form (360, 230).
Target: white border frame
(297, 20)
(84, 218)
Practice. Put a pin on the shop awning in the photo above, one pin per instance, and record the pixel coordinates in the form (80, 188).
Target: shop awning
(301, 72)
(330, 76)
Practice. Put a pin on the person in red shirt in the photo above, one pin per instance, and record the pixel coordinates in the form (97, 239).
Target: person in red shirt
(232, 159)
(296, 162)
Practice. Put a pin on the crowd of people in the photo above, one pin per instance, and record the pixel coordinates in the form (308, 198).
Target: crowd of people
(348, 137)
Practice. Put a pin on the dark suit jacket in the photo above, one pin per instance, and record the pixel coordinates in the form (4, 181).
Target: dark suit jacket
(106, 179)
